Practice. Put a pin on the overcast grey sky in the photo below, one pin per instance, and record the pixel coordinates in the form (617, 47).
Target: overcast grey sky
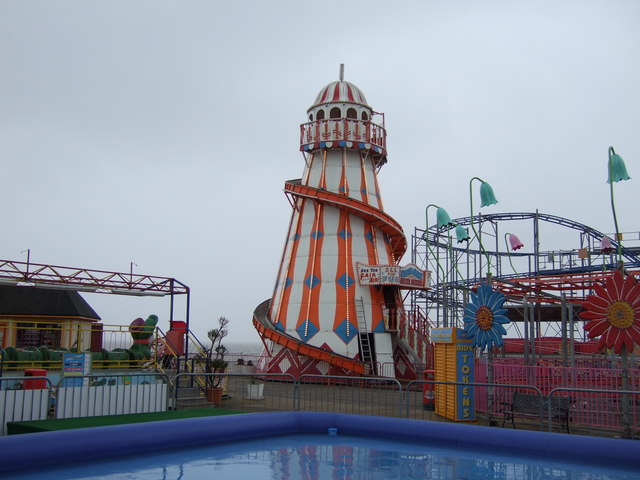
(161, 132)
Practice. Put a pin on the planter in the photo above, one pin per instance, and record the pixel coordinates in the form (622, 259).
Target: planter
(255, 391)
(214, 395)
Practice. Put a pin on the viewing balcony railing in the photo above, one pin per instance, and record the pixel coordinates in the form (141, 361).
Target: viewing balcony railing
(343, 129)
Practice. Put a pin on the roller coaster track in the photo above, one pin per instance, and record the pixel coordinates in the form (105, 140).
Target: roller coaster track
(628, 254)
(370, 214)
(578, 283)
(268, 331)
(576, 279)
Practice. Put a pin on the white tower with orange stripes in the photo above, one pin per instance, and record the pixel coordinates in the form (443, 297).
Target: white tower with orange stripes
(336, 307)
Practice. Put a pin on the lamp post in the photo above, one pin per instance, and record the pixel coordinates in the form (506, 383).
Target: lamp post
(462, 235)
(617, 171)
(442, 217)
(515, 244)
(443, 220)
(487, 198)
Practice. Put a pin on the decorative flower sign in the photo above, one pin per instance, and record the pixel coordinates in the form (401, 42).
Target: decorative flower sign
(614, 313)
(484, 317)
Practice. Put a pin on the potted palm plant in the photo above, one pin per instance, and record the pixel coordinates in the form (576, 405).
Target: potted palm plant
(215, 362)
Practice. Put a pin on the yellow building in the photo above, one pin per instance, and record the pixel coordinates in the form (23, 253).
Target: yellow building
(454, 357)
(32, 317)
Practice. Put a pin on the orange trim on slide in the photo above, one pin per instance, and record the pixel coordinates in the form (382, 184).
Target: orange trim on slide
(269, 332)
(365, 211)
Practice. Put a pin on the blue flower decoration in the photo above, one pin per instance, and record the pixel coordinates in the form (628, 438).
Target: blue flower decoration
(484, 317)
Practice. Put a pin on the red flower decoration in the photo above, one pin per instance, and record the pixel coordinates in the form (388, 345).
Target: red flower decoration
(614, 312)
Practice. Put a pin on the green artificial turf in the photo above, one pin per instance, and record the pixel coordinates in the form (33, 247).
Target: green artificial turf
(69, 423)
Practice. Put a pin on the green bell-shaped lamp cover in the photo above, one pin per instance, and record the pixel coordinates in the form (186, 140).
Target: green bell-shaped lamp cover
(487, 196)
(444, 220)
(617, 168)
(617, 171)
(462, 235)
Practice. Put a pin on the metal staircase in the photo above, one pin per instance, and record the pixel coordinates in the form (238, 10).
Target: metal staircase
(189, 390)
(363, 338)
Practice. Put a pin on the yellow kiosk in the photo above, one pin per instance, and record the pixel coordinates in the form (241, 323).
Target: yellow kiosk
(454, 362)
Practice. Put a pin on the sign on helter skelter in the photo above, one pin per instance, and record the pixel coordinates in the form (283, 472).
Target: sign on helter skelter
(405, 276)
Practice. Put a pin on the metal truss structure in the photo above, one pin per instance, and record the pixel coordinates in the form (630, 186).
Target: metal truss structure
(545, 287)
(28, 274)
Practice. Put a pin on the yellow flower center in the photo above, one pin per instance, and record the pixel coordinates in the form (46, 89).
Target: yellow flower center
(484, 318)
(620, 314)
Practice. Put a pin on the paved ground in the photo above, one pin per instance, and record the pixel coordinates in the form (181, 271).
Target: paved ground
(382, 399)
(355, 397)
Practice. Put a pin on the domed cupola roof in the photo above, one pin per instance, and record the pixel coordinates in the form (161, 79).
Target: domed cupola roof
(340, 92)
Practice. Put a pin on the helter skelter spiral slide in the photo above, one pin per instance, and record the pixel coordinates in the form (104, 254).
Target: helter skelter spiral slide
(337, 306)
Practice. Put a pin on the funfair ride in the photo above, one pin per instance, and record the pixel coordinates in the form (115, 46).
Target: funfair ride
(337, 307)
(545, 287)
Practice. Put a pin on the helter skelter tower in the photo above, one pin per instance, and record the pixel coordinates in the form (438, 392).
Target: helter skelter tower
(337, 307)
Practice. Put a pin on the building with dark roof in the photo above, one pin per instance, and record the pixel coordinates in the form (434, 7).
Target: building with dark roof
(35, 317)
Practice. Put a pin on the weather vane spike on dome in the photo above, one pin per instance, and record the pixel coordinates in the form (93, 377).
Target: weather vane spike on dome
(342, 72)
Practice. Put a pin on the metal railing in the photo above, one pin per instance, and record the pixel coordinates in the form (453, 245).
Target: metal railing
(111, 394)
(622, 406)
(498, 396)
(279, 392)
(20, 400)
(343, 129)
(43, 345)
(114, 394)
(358, 395)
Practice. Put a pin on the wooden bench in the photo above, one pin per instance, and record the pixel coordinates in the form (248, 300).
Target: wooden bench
(532, 405)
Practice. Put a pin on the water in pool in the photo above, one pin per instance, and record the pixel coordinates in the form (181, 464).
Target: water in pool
(313, 457)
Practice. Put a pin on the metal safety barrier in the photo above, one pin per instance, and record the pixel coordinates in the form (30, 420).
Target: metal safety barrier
(239, 391)
(35, 398)
(111, 394)
(24, 399)
(359, 395)
(497, 395)
(619, 408)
